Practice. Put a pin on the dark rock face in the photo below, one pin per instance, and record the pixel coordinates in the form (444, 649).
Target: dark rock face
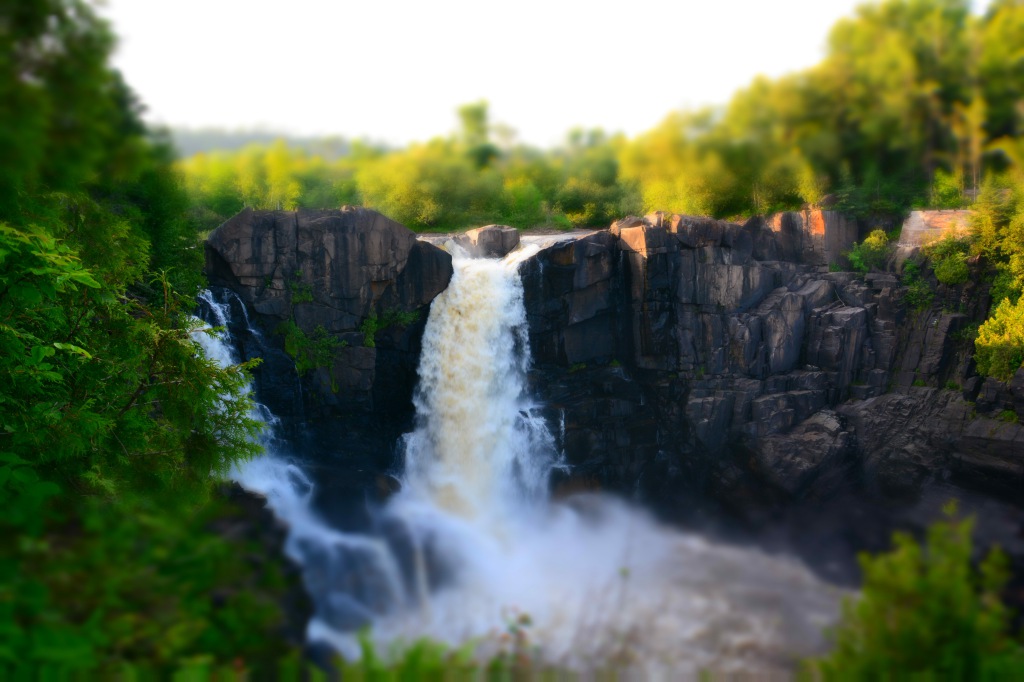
(715, 370)
(336, 270)
(353, 276)
(718, 372)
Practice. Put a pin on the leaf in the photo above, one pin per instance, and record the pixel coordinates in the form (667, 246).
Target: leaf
(38, 353)
(83, 277)
(73, 349)
(26, 294)
(24, 475)
(11, 458)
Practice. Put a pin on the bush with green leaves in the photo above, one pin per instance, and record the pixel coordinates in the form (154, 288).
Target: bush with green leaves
(948, 257)
(946, 190)
(309, 351)
(113, 422)
(138, 581)
(925, 612)
(999, 346)
(389, 318)
(919, 294)
(871, 254)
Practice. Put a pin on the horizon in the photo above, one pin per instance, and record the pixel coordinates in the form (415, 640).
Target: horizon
(257, 78)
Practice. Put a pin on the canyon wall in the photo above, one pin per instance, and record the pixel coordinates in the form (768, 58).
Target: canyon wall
(722, 373)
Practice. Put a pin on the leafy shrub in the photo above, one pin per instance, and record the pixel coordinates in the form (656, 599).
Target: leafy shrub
(946, 190)
(391, 317)
(586, 203)
(925, 613)
(919, 294)
(137, 581)
(308, 351)
(870, 254)
(949, 259)
(522, 204)
(301, 293)
(999, 347)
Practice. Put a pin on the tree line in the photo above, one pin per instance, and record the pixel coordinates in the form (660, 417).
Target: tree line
(915, 102)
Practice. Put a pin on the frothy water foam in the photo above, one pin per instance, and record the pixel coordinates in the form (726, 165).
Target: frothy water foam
(472, 547)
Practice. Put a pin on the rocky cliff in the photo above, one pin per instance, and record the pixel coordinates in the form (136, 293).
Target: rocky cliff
(727, 366)
(719, 372)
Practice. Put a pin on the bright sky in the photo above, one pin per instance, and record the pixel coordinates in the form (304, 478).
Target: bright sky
(395, 71)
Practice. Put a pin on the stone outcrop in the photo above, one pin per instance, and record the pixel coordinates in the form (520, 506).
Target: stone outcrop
(490, 241)
(712, 369)
(693, 359)
(336, 270)
(924, 227)
(812, 236)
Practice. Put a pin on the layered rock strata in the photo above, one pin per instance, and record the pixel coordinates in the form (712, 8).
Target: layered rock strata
(720, 372)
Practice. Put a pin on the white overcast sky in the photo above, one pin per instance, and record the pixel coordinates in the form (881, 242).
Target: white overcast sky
(395, 71)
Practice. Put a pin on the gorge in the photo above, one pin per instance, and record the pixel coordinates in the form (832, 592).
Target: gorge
(719, 374)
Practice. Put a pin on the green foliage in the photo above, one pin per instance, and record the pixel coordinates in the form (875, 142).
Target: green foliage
(308, 351)
(1008, 416)
(137, 581)
(391, 317)
(301, 293)
(949, 259)
(946, 190)
(925, 613)
(102, 390)
(999, 346)
(967, 334)
(870, 254)
(113, 422)
(919, 294)
(912, 102)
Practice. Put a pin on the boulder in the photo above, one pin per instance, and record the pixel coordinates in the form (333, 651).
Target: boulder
(490, 241)
(793, 461)
(332, 270)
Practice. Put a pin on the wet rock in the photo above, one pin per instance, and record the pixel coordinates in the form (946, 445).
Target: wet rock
(490, 241)
(333, 270)
(794, 460)
(924, 435)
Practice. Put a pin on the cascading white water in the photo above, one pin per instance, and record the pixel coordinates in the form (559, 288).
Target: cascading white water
(601, 583)
(330, 558)
(472, 543)
(479, 448)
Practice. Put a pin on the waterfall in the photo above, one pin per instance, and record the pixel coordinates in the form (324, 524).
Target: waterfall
(479, 446)
(349, 577)
(472, 550)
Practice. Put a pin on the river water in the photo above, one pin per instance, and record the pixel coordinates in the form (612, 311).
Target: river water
(473, 550)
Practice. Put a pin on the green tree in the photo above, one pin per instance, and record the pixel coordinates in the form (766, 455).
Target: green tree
(870, 254)
(999, 347)
(924, 612)
(475, 133)
(107, 403)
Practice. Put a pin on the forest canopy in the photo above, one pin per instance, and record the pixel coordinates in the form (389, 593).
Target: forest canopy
(912, 96)
(112, 420)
